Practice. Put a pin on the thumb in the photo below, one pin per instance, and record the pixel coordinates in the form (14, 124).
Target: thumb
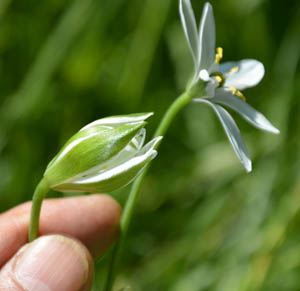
(49, 263)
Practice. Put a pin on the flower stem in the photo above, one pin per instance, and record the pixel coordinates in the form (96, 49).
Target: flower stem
(39, 194)
(169, 116)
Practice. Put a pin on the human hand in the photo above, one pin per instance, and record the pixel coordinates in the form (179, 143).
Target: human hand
(73, 230)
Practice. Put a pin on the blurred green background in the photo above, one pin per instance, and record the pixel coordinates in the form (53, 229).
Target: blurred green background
(201, 223)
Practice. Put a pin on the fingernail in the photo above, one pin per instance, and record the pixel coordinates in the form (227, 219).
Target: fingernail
(52, 262)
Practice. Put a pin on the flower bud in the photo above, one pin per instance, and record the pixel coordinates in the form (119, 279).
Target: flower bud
(103, 156)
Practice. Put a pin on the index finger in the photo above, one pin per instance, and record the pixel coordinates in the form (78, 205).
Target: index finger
(93, 219)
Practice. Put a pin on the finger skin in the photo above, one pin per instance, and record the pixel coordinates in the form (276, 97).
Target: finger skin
(51, 262)
(93, 219)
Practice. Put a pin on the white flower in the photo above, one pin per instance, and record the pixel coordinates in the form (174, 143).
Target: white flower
(103, 156)
(222, 82)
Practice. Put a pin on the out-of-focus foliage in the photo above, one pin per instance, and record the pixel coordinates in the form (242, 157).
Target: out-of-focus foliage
(202, 223)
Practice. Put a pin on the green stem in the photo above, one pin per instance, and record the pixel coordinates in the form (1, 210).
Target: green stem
(39, 194)
(169, 116)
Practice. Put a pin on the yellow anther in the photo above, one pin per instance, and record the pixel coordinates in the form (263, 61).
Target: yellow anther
(233, 90)
(234, 69)
(219, 79)
(241, 95)
(237, 93)
(219, 55)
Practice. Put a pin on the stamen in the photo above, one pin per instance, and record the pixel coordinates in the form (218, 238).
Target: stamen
(219, 55)
(241, 95)
(234, 69)
(219, 79)
(233, 90)
(237, 93)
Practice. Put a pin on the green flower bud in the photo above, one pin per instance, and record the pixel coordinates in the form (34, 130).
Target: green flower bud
(103, 156)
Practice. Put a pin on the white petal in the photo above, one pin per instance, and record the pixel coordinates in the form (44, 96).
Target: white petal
(118, 170)
(127, 170)
(245, 110)
(131, 150)
(207, 38)
(138, 141)
(190, 29)
(119, 176)
(120, 119)
(232, 133)
(250, 72)
(152, 145)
